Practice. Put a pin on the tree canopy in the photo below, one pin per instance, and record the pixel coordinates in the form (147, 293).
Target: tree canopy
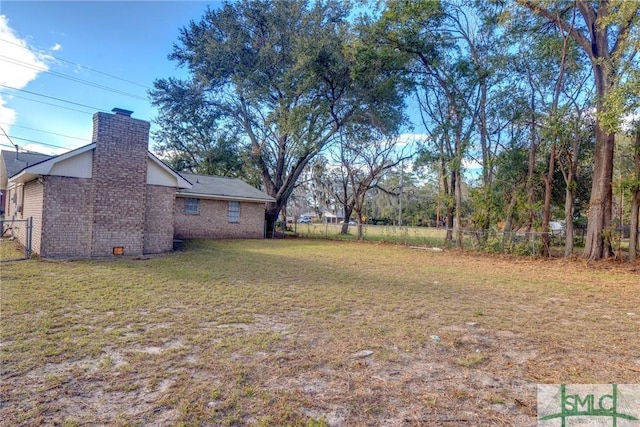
(283, 77)
(518, 103)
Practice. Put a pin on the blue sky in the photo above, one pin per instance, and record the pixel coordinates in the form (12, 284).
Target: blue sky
(57, 51)
(41, 43)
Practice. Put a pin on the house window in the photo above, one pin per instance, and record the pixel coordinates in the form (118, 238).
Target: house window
(234, 211)
(191, 206)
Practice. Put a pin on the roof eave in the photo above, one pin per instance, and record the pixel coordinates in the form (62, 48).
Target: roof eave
(22, 177)
(226, 197)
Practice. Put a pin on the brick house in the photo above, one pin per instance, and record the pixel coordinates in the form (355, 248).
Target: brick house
(218, 207)
(114, 196)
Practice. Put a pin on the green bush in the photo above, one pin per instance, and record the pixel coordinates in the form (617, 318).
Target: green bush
(494, 245)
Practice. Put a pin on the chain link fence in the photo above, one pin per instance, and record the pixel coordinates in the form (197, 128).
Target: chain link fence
(15, 239)
(520, 243)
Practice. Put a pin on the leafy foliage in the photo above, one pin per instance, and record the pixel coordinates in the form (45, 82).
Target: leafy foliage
(282, 78)
(504, 92)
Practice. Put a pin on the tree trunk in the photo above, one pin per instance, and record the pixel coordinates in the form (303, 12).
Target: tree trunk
(345, 224)
(633, 233)
(508, 223)
(568, 218)
(360, 225)
(458, 225)
(635, 202)
(597, 244)
(546, 213)
(458, 187)
(450, 191)
(284, 219)
(533, 153)
(271, 217)
(486, 154)
(569, 172)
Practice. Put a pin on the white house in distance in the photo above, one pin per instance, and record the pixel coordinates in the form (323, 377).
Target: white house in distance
(113, 196)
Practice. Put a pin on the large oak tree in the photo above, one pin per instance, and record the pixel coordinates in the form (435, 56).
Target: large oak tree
(285, 76)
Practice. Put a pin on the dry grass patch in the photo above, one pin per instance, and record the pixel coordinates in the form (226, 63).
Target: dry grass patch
(10, 249)
(307, 333)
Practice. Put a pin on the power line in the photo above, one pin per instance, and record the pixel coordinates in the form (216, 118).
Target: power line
(47, 103)
(5, 134)
(38, 142)
(72, 78)
(46, 131)
(76, 64)
(50, 97)
(54, 98)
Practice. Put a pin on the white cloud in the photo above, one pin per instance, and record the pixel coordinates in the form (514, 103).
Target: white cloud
(471, 164)
(7, 115)
(56, 47)
(20, 65)
(411, 138)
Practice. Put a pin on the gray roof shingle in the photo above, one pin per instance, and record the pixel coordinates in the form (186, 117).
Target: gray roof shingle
(221, 187)
(15, 162)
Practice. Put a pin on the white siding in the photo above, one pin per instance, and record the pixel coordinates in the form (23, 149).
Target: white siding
(156, 175)
(79, 166)
(32, 208)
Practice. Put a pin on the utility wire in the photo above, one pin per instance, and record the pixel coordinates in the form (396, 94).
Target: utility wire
(65, 76)
(49, 97)
(45, 131)
(11, 138)
(39, 142)
(61, 75)
(48, 103)
(5, 134)
(54, 98)
(42, 52)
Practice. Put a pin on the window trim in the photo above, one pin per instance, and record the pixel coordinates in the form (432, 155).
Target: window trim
(233, 214)
(189, 203)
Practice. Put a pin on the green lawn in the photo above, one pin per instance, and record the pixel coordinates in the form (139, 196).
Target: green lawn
(375, 233)
(493, 242)
(307, 332)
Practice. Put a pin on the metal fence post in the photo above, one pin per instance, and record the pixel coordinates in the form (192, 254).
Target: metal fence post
(27, 249)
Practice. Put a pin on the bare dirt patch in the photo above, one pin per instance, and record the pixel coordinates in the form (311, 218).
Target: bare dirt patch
(308, 333)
